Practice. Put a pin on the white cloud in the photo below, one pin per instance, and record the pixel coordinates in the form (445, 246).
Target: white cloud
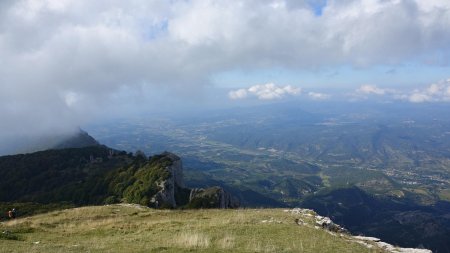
(271, 91)
(318, 96)
(268, 91)
(433, 89)
(71, 98)
(417, 97)
(370, 89)
(238, 94)
(436, 92)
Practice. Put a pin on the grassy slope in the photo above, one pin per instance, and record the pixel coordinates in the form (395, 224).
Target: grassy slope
(131, 229)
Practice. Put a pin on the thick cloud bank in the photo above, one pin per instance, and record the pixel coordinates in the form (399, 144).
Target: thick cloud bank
(62, 60)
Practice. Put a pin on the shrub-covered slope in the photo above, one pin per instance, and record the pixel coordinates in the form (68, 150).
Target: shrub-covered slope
(97, 175)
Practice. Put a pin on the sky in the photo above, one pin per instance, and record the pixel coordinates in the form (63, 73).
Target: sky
(65, 63)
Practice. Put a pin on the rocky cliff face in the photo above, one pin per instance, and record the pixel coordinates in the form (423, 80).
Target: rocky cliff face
(170, 186)
(173, 193)
(226, 200)
(176, 169)
(166, 196)
(213, 197)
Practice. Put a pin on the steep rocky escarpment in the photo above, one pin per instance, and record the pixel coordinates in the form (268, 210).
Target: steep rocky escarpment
(213, 197)
(173, 193)
(172, 187)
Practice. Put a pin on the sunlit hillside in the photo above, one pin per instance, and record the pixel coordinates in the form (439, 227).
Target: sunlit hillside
(128, 228)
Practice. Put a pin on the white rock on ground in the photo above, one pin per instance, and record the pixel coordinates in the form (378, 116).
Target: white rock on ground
(137, 206)
(364, 240)
(386, 246)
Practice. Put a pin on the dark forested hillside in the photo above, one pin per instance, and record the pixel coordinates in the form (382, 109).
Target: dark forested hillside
(98, 175)
(73, 175)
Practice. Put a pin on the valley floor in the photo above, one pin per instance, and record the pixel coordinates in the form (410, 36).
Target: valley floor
(130, 228)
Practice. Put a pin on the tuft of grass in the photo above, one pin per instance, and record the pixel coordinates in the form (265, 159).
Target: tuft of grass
(7, 235)
(192, 240)
(227, 242)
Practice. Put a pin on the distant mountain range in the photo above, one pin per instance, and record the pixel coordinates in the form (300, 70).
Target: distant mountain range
(392, 158)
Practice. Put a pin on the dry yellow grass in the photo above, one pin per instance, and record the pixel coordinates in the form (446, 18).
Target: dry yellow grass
(227, 242)
(192, 240)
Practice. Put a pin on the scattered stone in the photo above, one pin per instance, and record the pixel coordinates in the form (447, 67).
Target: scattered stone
(386, 246)
(271, 220)
(307, 212)
(137, 206)
(322, 221)
(369, 246)
(366, 238)
(328, 224)
(390, 248)
(300, 222)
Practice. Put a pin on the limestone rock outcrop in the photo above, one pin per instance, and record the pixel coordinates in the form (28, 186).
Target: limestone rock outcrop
(213, 197)
(173, 192)
(165, 197)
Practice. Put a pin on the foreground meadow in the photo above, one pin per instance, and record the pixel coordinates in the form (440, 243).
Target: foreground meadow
(128, 228)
